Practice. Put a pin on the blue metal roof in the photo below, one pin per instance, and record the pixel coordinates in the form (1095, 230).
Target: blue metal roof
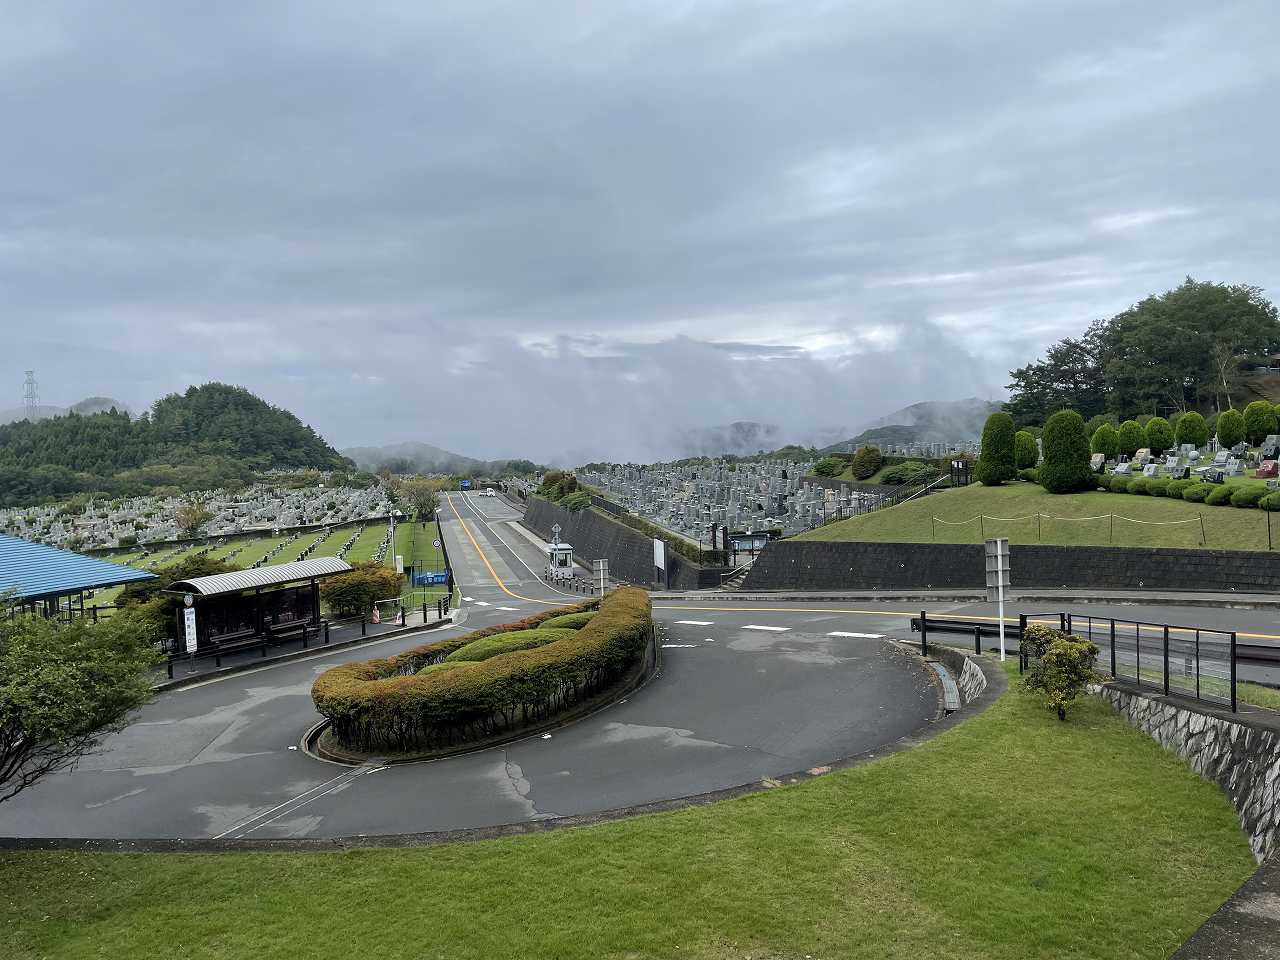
(32, 570)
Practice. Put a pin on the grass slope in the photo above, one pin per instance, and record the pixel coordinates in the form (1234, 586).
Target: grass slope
(1011, 836)
(1225, 527)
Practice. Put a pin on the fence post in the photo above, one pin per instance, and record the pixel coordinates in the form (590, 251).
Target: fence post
(362, 625)
(977, 639)
(1166, 659)
(1233, 671)
(924, 635)
(1022, 651)
(1113, 646)
(402, 622)
(326, 633)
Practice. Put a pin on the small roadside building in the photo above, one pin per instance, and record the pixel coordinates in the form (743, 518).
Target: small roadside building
(246, 606)
(35, 578)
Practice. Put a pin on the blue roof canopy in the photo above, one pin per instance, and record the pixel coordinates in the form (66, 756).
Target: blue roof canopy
(32, 571)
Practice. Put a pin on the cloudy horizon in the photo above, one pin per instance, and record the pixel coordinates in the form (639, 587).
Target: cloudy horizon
(566, 230)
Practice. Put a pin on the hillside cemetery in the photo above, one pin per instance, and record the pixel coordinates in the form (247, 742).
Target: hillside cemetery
(749, 497)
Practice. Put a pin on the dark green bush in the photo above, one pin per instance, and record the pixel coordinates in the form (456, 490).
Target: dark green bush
(1132, 437)
(1159, 434)
(1197, 492)
(1271, 501)
(495, 646)
(1247, 495)
(909, 473)
(1066, 454)
(577, 501)
(1231, 428)
(1175, 488)
(866, 461)
(386, 705)
(352, 594)
(1219, 496)
(569, 621)
(1191, 429)
(1030, 474)
(1259, 420)
(1140, 485)
(829, 467)
(996, 464)
(1119, 483)
(1025, 452)
(1157, 486)
(1106, 441)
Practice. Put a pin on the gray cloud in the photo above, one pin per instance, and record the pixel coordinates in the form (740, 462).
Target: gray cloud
(556, 230)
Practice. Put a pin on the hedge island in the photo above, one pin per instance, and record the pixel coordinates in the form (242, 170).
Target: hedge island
(488, 683)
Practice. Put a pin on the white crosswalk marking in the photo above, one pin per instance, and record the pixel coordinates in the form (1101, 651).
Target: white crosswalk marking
(860, 636)
(756, 626)
(697, 623)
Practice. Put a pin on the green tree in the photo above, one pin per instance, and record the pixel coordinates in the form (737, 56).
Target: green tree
(1159, 434)
(829, 467)
(996, 461)
(866, 461)
(352, 594)
(191, 516)
(1066, 454)
(1132, 437)
(63, 687)
(1106, 441)
(1259, 421)
(1063, 672)
(1231, 428)
(1072, 374)
(1025, 451)
(420, 494)
(1191, 429)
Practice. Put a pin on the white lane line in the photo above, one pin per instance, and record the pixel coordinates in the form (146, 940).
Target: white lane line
(468, 599)
(678, 646)
(508, 609)
(756, 626)
(248, 820)
(697, 623)
(708, 639)
(480, 603)
(860, 636)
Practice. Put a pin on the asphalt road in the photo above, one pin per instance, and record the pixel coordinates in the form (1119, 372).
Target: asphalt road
(740, 697)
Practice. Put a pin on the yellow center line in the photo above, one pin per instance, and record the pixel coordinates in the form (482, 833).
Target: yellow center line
(916, 613)
(488, 566)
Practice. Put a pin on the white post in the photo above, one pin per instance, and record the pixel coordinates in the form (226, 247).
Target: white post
(1000, 599)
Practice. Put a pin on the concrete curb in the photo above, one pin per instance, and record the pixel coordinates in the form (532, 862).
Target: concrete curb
(1215, 601)
(997, 684)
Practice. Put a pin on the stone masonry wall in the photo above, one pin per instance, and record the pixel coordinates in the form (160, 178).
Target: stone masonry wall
(1242, 757)
(820, 565)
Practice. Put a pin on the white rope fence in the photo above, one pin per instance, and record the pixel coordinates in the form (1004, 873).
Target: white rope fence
(982, 518)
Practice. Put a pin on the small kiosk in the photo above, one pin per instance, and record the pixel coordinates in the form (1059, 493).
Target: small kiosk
(559, 557)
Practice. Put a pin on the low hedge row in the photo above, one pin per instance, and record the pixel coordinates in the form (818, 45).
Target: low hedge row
(487, 647)
(388, 705)
(1244, 495)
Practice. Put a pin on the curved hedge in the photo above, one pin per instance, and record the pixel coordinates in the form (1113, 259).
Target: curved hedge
(568, 621)
(487, 647)
(387, 705)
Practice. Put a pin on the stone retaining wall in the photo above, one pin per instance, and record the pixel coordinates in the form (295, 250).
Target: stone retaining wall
(1241, 754)
(822, 565)
(969, 676)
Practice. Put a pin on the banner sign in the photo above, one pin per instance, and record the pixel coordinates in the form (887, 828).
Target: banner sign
(424, 578)
(189, 616)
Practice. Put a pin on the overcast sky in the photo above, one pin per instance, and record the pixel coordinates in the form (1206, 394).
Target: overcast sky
(557, 229)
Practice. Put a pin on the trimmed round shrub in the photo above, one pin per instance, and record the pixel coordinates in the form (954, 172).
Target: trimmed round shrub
(1259, 420)
(1175, 488)
(1106, 441)
(1159, 434)
(1271, 501)
(1230, 428)
(1219, 496)
(866, 461)
(1119, 484)
(1197, 492)
(569, 621)
(1025, 452)
(1066, 454)
(1132, 437)
(995, 463)
(1157, 486)
(1030, 474)
(1140, 485)
(488, 647)
(1248, 495)
(829, 467)
(1191, 429)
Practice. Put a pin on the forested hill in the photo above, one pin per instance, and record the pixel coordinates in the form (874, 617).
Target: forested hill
(194, 440)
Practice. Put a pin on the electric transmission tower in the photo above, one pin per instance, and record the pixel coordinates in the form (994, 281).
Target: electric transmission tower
(31, 395)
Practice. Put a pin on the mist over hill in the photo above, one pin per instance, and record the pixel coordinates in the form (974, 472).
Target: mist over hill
(44, 411)
(930, 421)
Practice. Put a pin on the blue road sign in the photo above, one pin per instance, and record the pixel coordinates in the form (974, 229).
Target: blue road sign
(426, 578)
(466, 484)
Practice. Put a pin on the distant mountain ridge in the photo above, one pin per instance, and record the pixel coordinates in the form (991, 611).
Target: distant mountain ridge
(413, 456)
(87, 406)
(741, 438)
(930, 421)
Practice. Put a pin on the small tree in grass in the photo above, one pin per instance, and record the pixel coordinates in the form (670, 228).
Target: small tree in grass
(63, 687)
(995, 463)
(1066, 454)
(1230, 428)
(1106, 441)
(1191, 429)
(866, 462)
(1132, 437)
(352, 594)
(1159, 434)
(1259, 421)
(1063, 671)
(1025, 451)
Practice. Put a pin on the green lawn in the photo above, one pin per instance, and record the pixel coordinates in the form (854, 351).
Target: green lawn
(1011, 836)
(1012, 510)
(363, 549)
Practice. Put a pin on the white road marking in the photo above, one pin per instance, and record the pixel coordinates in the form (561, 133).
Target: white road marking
(480, 603)
(860, 636)
(756, 626)
(697, 623)
(468, 599)
(678, 646)
(708, 639)
(508, 609)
